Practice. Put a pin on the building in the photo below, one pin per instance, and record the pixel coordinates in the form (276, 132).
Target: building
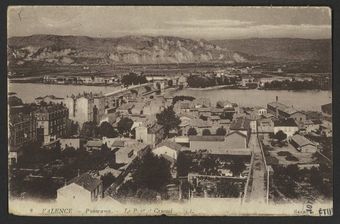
(265, 125)
(51, 122)
(128, 153)
(167, 149)
(81, 107)
(288, 126)
(82, 189)
(48, 99)
(242, 125)
(22, 131)
(303, 144)
(75, 143)
(151, 135)
(235, 143)
(312, 125)
(326, 110)
(93, 145)
(280, 110)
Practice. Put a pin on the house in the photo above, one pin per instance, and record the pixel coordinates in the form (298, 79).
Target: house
(201, 102)
(204, 111)
(114, 142)
(235, 143)
(48, 99)
(125, 108)
(150, 134)
(183, 106)
(312, 125)
(288, 126)
(241, 124)
(167, 149)
(70, 142)
(327, 110)
(303, 144)
(128, 153)
(81, 107)
(282, 111)
(82, 189)
(92, 145)
(236, 140)
(224, 104)
(51, 122)
(265, 125)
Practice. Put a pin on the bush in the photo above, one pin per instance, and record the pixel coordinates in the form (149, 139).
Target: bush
(284, 153)
(291, 158)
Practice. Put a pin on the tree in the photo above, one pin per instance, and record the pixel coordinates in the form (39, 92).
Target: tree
(221, 131)
(280, 136)
(152, 172)
(237, 166)
(88, 130)
(183, 164)
(206, 132)
(182, 98)
(106, 130)
(192, 131)
(133, 79)
(107, 179)
(124, 126)
(168, 119)
(316, 178)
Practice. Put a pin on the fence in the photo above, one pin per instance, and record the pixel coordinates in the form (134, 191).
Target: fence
(248, 178)
(266, 176)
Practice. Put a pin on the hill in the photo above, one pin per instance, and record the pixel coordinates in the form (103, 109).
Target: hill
(291, 49)
(53, 49)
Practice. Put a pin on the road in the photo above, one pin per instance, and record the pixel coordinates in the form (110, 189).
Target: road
(258, 187)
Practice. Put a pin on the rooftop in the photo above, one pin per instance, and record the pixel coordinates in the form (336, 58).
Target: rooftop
(301, 140)
(283, 107)
(240, 123)
(289, 122)
(172, 145)
(206, 138)
(86, 181)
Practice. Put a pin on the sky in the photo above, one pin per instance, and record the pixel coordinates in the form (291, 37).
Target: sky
(196, 22)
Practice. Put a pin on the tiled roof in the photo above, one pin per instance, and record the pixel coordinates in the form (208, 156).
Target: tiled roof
(327, 108)
(301, 140)
(240, 123)
(172, 145)
(94, 143)
(289, 122)
(86, 181)
(206, 138)
(283, 107)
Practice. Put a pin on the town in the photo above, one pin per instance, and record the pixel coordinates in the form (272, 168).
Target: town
(143, 143)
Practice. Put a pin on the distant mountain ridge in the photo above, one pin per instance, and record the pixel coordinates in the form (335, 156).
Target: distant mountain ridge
(128, 50)
(54, 49)
(295, 49)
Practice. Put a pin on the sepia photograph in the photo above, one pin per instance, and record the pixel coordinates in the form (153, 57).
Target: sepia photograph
(169, 110)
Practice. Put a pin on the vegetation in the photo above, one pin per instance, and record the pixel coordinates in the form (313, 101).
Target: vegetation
(237, 166)
(221, 131)
(133, 79)
(152, 172)
(192, 131)
(292, 85)
(124, 126)
(183, 164)
(280, 136)
(168, 119)
(205, 81)
(106, 130)
(206, 132)
(89, 130)
(182, 98)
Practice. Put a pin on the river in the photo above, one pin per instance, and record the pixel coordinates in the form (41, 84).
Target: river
(303, 100)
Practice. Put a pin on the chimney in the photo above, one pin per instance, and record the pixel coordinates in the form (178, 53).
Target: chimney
(277, 99)
(78, 172)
